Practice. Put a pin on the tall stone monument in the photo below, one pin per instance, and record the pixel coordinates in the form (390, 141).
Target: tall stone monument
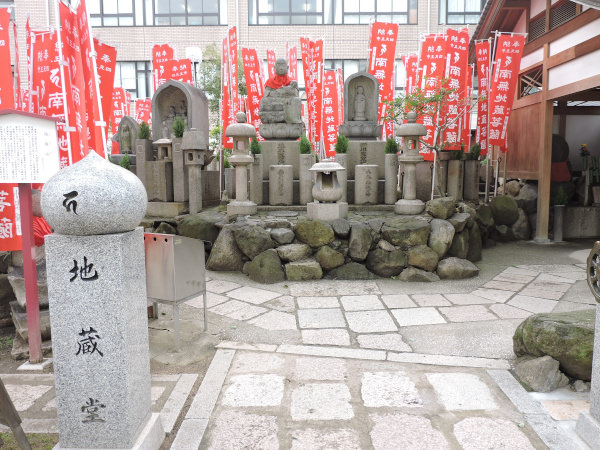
(411, 131)
(241, 132)
(97, 296)
(280, 114)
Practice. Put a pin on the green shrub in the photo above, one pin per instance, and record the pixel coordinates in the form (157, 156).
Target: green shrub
(255, 147)
(178, 127)
(144, 131)
(475, 151)
(341, 144)
(125, 161)
(305, 147)
(561, 197)
(456, 154)
(391, 146)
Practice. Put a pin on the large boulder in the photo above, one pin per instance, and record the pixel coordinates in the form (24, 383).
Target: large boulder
(520, 229)
(504, 210)
(306, 269)
(282, 235)
(567, 337)
(423, 257)
(540, 374)
(460, 245)
(485, 218)
(341, 227)
(441, 208)
(225, 254)
(512, 188)
(360, 241)
(329, 258)
(386, 264)
(459, 221)
(314, 233)
(350, 271)
(405, 231)
(266, 268)
(468, 208)
(252, 240)
(294, 252)
(166, 228)
(474, 253)
(414, 274)
(527, 198)
(440, 238)
(456, 269)
(202, 225)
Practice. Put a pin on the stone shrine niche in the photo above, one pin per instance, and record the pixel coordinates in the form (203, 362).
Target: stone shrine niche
(177, 99)
(361, 95)
(126, 135)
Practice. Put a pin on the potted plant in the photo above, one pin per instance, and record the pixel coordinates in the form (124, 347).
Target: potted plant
(560, 201)
(307, 160)
(256, 172)
(391, 171)
(341, 157)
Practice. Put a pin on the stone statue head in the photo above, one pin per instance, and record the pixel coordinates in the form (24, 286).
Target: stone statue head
(360, 90)
(281, 66)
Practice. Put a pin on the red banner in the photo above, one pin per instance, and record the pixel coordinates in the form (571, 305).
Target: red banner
(254, 85)
(432, 65)
(340, 90)
(509, 50)
(18, 97)
(10, 218)
(143, 111)
(331, 118)
(466, 132)
(233, 65)
(160, 54)
(106, 61)
(457, 46)
(227, 114)
(7, 97)
(292, 58)
(312, 63)
(482, 51)
(120, 108)
(382, 54)
(178, 69)
(271, 59)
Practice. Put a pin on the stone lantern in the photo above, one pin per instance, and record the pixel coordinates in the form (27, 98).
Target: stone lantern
(410, 131)
(241, 132)
(196, 156)
(327, 193)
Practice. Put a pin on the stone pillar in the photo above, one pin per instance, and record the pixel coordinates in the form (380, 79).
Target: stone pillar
(471, 180)
(281, 184)
(365, 187)
(159, 175)
(143, 154)
(180, 173)
(256, 180)
(306, 178)
(456, 172)
(391, 179)
(97, 295)
(442, 173)
(342, 160)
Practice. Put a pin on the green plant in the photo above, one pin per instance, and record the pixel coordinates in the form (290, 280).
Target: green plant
(6, 343)
(341, 144)
(456, 154)
(305, 147)
(561, 197)
(178, 127)
(125, 161)
(391, 146)
(475, 151)
(255, 147)
(144, 131)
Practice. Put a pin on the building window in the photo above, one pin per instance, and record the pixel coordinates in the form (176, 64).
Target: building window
(135, 77)
(112, 13)
(531, 82)
(460, 11)
(361, 11)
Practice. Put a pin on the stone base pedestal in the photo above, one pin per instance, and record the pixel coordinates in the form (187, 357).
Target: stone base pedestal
(278, 153)
(165, 209)
(365, 188)
(588, 429)
(241, 208)
(326, 211)
(281, 185)
(159, 179)
(409, 207)
(366, 152)
(180, 173)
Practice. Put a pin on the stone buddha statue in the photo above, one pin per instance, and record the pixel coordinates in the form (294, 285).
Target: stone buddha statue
(360, 104)
(280, 107)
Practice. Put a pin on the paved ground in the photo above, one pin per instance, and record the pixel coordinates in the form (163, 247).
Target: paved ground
(362, 364)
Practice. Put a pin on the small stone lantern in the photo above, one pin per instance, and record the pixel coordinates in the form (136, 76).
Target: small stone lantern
(164, 149)
(410, 131)
(196, 155)
(241, 132)
(327, 193)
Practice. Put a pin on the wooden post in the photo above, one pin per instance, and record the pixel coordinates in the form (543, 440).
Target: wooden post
(30, 271)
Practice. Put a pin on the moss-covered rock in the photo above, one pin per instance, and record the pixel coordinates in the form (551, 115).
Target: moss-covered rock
(360, 241)
(567, 337)
(460, 245)
(306, 269)
(350, 271)
(166, 228)
(314, 233)
(225, 254)
(505, 210)
(423, 257)
(252, 240)
(201, 226)
(406, 232)
(266, 268)
(386, 264)
(441, 208)
(329, 258)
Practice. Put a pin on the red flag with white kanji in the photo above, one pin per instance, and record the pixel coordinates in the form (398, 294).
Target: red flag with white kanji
(178, 69)
(271, 59)
(106, 61)
(457, 47)
(160, 54)
(292, 59)
(10, 217)
(119, 110)
(18, 97)
(382, 54)
(466, 131)
(143, 111)
(226, 105)
(340, 90)
(254, 86)
(233, 66)
(7, 97)
(331, 119)
(482, 55)
(509, 49)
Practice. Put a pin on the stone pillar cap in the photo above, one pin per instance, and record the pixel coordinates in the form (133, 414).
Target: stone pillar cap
(326, 166)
